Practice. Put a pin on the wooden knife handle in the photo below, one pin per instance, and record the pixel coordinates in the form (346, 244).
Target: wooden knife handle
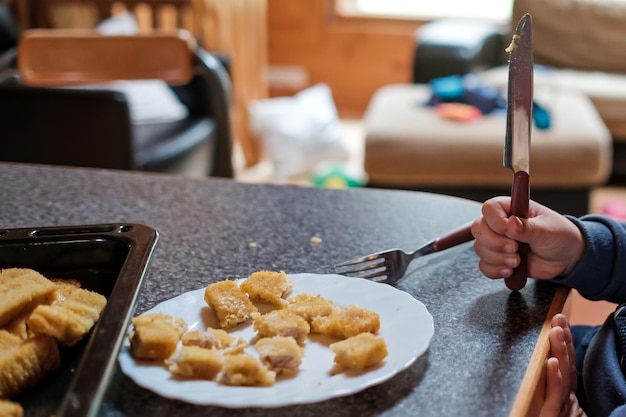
(520, 198)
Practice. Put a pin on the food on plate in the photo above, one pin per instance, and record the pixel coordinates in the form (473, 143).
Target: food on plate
(24, 363)
(155, 336)
(268, 286)
(282, 355)
(308, 307)
(282, 323)
(214, 339)
(244, 369)
(69, 314)
(10, 409)
(347, 322)
(359, 352)
(277, 344)
(22, 290)
(230, 303)
(196, 362)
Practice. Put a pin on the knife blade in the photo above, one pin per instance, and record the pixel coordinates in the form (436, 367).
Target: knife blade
(518, 129)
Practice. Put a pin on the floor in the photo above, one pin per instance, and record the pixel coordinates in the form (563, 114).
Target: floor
(581, 311)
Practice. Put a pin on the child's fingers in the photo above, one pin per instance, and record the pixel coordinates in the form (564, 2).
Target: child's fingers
(554, 389)
(560, 320)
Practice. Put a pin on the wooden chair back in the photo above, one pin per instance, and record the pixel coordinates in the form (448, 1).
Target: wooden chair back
(73, 57)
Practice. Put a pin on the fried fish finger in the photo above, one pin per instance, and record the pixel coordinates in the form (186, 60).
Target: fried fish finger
(70, 316)
(24, 363)
(22, 290)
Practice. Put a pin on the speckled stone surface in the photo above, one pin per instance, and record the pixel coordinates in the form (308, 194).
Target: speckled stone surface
(484, 334)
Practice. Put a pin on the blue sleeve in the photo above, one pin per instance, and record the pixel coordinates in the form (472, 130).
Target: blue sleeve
(619, 412)
(601, 272)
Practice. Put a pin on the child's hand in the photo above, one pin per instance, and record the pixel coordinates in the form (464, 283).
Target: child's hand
(561, 379)
(556, 244)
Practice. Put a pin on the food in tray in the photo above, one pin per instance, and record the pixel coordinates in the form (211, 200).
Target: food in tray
(346, 322)
(282, 323)
(38, 315)
(360, 351)
(22, 290)
(69, 313)
(10, 409)
(155, 336)
(24, 363)
(230, 303)
(280, 335)
(282, 355)
(268, 286)
(18, 326)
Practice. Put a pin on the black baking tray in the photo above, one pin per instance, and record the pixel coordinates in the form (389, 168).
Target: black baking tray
(112, 259)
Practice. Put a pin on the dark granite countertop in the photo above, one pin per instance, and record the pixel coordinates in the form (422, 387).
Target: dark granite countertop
(484, 334)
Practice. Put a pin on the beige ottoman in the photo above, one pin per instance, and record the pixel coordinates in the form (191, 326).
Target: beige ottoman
(409, 146)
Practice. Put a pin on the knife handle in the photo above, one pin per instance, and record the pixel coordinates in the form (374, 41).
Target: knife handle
(520, 197)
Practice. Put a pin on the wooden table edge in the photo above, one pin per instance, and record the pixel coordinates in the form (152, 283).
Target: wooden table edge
(531, 393)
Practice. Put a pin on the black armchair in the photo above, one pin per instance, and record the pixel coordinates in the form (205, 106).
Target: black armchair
(457, 47)
(92, 127)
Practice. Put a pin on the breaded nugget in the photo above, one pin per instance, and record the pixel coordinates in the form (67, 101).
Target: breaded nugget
(268, 286)
(22, 290)
(282, 323)
(230, 303)
(244, 369)
(70, 316)
(360, 351)
(10, 409)
(347, 322)
(24, 363)
(307, 306)
(281, 354)
(196, 362)
(214, 339)
(155, 336)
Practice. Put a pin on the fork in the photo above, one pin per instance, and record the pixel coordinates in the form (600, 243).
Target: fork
(389, 266)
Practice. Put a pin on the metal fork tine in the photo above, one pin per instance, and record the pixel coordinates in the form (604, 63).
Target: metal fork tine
(382, 273)
(364, 267)
(378, 263)
(379, 271)
(368, 258)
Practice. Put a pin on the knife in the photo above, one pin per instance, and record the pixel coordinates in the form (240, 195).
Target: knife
(518, 127)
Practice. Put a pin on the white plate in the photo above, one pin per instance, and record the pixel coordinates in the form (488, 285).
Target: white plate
(406, 326)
